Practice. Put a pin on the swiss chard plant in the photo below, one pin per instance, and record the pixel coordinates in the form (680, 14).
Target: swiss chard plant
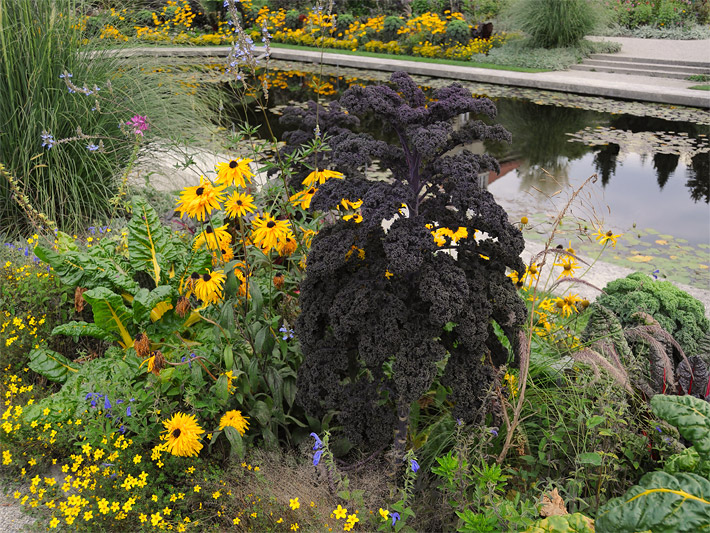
(663, 501)
(132, 286)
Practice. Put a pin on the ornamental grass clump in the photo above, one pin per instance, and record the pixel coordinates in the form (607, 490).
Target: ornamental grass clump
(385, 305)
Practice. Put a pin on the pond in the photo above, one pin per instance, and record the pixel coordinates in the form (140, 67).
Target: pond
(652, 163)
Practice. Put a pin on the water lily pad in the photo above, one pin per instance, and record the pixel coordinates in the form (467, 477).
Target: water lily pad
(662, 242)
(640, 258)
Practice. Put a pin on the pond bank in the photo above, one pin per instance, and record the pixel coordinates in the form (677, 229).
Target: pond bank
(630, 87)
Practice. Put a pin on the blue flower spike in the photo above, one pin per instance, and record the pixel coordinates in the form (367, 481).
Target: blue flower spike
(395, 517)
(316, 457)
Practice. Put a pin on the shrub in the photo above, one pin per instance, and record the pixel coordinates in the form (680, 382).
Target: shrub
(419, 6)
(554, 24)
(382, 309)
(676, 311)
(292, 20)
(392, 24)
(344, 21)
(457, 31)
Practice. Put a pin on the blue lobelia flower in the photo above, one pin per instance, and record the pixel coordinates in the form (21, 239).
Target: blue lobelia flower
(395, 517)
(414, 464)
(318, 444)
(107, 404)
(316, 457)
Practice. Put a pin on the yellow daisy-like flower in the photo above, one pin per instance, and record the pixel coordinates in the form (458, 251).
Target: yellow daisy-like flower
(208, 287)
(236, 172)
(303, 199)
(568, 267)
(355, 217)
(340, 512)
(347, 204)
(384, 513)
(182, 435)
(294, 504)
(236, 420)
(200, 200)
(287, 245)
(224, 255)
(267, 231)
(609, 236)
(321, 176)
(239, 204)
(567, 305)
(213, 238)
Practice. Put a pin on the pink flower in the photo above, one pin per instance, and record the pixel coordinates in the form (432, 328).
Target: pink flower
(138, 124)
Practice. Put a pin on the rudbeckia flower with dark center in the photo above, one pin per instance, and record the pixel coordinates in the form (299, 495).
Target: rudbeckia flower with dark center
(209, 287)
(267, 231)
(200, 200)
(237, 172)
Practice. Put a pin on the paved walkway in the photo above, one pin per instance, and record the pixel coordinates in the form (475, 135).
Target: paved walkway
(641, 88)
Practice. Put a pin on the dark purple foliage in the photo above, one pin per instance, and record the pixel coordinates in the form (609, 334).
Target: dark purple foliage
(367, 337)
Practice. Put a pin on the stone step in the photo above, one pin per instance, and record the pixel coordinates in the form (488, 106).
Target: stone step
(630, 71)
(682, 69)
(653, 61)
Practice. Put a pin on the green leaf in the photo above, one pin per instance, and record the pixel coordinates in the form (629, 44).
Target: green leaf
(235, 441)
(144, 301)
(50, 364)
(569, 523)
(79, 269)
(257, 300)
(228, 357)
(590, 458)
(595, 421)
(662, 503)
(110, 313)
(149, 242)
(264, 341)
(222, 388)
(690, 415)
(82, 329)
(261, 412)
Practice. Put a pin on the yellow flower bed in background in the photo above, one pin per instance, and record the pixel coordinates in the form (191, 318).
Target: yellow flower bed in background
(318, 30)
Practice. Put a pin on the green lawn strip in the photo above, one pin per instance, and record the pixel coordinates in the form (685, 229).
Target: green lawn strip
(409, 58)
(140, 44)
(700, 87)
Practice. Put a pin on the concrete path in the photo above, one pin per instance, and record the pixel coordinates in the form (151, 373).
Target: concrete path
(642, 88)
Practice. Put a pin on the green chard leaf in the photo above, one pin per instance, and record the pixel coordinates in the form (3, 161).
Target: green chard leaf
(149, 242)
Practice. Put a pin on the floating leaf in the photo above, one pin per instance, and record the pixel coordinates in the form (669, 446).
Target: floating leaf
(640, 258)
(661, 241)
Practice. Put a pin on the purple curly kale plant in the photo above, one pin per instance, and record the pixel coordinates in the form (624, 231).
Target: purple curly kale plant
(381, 307)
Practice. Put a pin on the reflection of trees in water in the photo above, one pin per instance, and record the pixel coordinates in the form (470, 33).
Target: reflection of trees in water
(665, 165)
(605, 162)
(554, 177)
(540, 140)
(699, 178)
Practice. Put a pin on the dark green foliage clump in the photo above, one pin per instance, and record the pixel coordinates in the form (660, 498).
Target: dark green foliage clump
(344, 21)
(457, 31)
(676, 311)
(292, 19)
(391, 25)
(382, 309)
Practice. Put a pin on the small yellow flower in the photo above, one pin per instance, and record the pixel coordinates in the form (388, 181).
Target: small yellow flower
(294, 503)
(340, 512)
(384, 513)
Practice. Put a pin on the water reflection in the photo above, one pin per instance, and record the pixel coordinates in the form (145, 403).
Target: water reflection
(626, 151)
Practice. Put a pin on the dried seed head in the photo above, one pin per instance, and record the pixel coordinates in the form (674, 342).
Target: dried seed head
(279, 281)
(183, 307)
(158, 362)
(142, 345)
